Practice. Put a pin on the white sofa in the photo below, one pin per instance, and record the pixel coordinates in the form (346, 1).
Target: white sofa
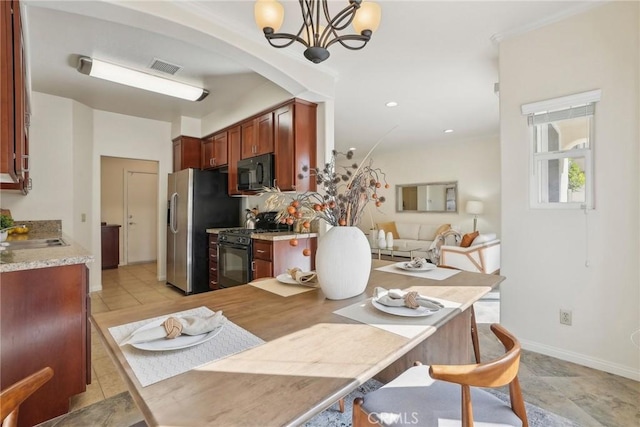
(411, 236)
(483, 257)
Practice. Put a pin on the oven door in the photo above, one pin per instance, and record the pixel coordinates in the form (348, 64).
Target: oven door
(234, 264)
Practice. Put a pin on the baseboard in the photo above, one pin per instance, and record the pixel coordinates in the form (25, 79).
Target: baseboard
(581, 359)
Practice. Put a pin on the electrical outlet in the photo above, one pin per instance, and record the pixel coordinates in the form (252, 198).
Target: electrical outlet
(83, 217)
(565, 317)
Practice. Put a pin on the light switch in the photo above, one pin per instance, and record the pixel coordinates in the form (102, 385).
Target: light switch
(83, 217)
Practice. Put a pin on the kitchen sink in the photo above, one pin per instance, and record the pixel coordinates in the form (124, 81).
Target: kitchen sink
(34, 243)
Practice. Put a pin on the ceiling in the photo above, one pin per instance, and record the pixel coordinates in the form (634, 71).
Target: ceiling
(436, 59)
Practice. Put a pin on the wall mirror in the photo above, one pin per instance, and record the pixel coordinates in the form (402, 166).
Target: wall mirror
(427, 197)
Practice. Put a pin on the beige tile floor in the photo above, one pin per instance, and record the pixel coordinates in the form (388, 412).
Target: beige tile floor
(587, 396)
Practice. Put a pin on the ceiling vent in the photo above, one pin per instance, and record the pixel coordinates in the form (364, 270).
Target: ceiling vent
(164, 66)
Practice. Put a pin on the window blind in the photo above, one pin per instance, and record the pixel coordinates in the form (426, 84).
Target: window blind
(555, 116)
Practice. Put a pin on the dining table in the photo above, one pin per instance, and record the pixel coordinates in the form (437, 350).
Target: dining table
(302, 352)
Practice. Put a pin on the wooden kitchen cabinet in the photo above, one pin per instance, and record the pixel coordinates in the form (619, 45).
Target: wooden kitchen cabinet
(271, 258)
(14, 110)
(257, 136)
(295, 146)
(44, 322)
(110, 245)
(186, 153)
(213, 261)
(215, 151)
(234, 139)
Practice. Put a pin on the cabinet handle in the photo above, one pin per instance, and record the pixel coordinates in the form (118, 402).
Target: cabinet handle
(253, 266)
(214, 269)
(260, 251)
(210, 162)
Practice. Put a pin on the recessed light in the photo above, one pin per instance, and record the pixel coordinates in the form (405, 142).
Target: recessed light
(391, 104)
(448, 130)
(352, 149)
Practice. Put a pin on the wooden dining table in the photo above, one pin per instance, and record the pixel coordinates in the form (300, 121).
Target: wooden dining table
(311, 357)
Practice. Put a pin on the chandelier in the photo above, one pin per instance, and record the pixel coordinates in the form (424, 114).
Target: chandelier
(319, 30)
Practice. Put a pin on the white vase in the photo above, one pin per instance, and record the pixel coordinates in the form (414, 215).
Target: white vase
(343, 262)
(3, 235)
(389, 239)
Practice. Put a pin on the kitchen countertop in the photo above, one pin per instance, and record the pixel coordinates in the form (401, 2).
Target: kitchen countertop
(272, 237)
(28, 259)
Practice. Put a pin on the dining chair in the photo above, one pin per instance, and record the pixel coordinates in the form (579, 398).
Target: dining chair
(430, 396)
(12, 397)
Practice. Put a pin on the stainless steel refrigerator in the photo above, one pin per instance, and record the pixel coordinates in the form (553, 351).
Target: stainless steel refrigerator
(196, 200)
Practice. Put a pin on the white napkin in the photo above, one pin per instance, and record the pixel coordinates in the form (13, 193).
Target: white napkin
(416, 262)
(191, 325)
(307, 278)
(399, 298)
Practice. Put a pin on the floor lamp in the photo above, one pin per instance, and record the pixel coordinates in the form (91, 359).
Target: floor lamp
(475, 208)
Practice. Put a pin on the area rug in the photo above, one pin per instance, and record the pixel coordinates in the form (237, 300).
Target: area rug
(120, 411)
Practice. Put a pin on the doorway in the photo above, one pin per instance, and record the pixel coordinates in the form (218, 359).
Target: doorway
(130, 187)
(140, 218)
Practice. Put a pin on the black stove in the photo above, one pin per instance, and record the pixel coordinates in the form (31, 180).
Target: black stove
(235, 250)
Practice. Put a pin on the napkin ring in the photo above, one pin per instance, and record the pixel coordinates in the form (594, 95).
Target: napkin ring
(173, 327)
(411, 300)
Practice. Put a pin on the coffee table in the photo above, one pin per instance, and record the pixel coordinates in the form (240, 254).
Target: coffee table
(410, 249)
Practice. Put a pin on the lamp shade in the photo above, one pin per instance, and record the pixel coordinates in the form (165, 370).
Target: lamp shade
(367, 17)
(474, 207)
(268, 14)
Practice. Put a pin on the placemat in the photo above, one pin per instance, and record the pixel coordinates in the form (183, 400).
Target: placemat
(153, 366)
(435, 274)
(282, 289)
(365, 312)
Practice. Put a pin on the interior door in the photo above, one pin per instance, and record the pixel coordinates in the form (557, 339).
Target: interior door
(141, 217)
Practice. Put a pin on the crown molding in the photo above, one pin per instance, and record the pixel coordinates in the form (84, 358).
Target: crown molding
(581, 8)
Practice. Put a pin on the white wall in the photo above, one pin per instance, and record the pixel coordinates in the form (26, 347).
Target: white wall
(51, 145)
(474, 164)
(553, 259)
(82, 176)
(117, 135)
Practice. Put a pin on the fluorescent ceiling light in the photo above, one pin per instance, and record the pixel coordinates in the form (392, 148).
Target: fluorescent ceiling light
(126, 76)
(391, 104)
(448, 130)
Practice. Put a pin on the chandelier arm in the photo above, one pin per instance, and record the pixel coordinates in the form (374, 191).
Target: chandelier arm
(284, 36)
(351, 37)
(348, 12)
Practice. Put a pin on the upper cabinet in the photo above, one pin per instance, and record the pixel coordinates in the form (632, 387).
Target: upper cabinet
(287, 130)
(215, 151)
(295, 146)
(14, 119)
(257, 136)
(186, 153)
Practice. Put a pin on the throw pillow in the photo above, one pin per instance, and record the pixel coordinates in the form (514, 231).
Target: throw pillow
(389, 227)
(468, 238)
(440, 230)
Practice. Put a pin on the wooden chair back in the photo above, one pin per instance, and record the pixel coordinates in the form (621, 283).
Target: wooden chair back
(12, 397)
(496, 373)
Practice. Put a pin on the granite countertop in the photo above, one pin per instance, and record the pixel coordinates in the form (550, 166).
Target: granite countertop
(28, 259)
(275, 236)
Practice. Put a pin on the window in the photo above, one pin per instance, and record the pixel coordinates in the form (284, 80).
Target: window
(562, 151)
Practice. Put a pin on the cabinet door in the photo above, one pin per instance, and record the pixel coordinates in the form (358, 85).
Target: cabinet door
(14, 119)
(295, 146)
(262, 249)
(207, 154)
(234, 136)
(264, 143)
(186, 153)
(220, 149)
(248, 143)
(262, 268)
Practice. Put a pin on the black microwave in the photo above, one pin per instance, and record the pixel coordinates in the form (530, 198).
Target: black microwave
(255, 173)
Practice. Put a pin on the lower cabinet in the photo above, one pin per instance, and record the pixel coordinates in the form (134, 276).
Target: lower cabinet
(44, 322)
(110, 245)
(271, 258)
(213, 261)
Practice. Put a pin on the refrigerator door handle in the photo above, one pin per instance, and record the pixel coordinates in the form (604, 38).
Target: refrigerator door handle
(173, 220)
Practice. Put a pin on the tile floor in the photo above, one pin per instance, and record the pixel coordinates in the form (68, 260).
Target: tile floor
(589, 397)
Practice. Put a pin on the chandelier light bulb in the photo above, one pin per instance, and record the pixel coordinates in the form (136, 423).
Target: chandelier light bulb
(268, 14)
(367, 17)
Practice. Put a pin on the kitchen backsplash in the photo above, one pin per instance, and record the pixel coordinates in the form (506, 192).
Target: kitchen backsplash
(49, 226)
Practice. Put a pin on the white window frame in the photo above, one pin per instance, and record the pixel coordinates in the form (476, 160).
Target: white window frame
(549, 106)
